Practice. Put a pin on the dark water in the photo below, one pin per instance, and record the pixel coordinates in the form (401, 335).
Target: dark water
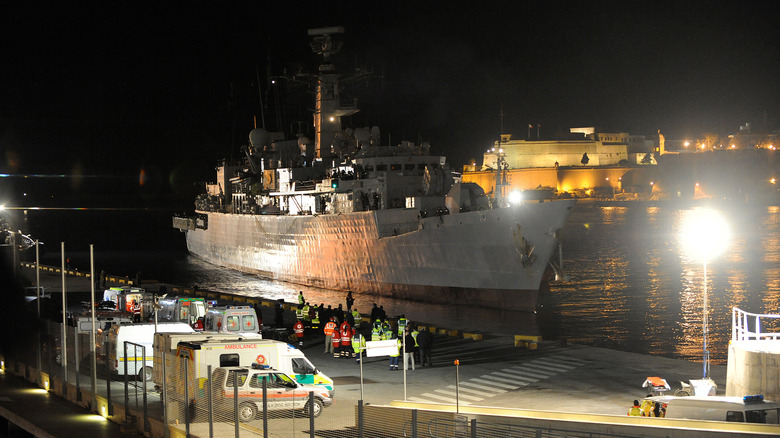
(631, 287)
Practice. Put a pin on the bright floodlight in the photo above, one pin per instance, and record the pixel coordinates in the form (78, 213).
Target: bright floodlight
(515, 197)
(704, 235)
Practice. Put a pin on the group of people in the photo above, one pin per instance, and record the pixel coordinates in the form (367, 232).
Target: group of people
(414, 344)
(346, 335)
(647, 408)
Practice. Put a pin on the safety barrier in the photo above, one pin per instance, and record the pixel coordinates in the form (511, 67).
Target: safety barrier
(527, 341)
(741, 322)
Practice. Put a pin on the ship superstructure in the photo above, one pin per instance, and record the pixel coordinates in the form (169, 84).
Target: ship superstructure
(345, 212)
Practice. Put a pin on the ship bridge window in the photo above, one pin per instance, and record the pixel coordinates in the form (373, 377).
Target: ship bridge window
(409, 167)
(369, 168)
(381, 167)
(395, 167)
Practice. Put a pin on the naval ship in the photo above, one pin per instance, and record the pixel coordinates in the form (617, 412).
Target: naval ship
(345, 212)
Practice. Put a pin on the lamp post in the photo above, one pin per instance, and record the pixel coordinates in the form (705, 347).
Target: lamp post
(704, 235)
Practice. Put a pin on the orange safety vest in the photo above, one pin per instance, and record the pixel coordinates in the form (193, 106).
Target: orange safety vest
(329, 327)
(298, 327)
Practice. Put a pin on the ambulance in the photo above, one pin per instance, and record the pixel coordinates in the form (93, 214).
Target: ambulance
(166, 344)
(124, 297)
(181, 309)
(278, 355)
(143, 336)
(231, 319)
(282, 393)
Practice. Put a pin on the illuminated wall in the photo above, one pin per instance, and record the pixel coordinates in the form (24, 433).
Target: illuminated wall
(521, 154)
(563, 180)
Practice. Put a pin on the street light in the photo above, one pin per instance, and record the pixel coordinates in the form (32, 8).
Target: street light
(704, 235)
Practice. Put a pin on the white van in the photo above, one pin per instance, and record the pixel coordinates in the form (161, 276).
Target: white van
(231, 319)
(140, 334)
(747, 409)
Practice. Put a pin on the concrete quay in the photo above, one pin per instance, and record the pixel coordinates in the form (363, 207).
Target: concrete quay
(561, 387)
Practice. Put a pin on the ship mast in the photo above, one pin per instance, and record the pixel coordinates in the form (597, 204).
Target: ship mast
(328, 109)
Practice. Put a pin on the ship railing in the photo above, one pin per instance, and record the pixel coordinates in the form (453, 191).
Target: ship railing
(746, 326)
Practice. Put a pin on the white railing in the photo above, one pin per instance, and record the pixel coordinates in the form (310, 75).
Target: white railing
(740, 326)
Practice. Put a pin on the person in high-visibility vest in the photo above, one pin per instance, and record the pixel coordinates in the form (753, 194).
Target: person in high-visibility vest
(298, 329)
(647, 408)
(376, 333)
(415, 332)
(634, 411)
(358, 343)
(330, 327)
(357, 317)
(305, 311)
(394, 356)
(301, 300)
(314, 315)
(299, 312)
(402, 321)
(346, 341)
(387, 330)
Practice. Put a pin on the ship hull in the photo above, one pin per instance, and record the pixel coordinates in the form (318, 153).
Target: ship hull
(475, 258)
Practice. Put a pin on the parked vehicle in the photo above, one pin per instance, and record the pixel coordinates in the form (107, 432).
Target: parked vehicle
(283, 392)
(747, 409)
(141, 334)
(232, 319)
(182, 309)
(166, 344)
(245, 352)
(126, 297)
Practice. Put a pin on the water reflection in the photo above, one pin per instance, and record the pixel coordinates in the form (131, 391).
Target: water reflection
(633, 288)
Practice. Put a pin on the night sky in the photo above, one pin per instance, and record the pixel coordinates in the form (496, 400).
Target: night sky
(107, 90)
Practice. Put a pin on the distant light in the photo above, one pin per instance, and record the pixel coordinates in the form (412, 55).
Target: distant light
(492, 149)
(607, 178)
(2, 207)
(332, 118)
(772, 181)
(733, 146)
(697, 184)
(686, 144)
(704, 234)
(515, 197)
(501, 151)
(651, 183)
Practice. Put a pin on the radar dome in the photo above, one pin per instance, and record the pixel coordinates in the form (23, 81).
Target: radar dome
(258, 137)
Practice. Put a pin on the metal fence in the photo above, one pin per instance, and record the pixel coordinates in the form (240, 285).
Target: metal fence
(225, 401)
(181, 399)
